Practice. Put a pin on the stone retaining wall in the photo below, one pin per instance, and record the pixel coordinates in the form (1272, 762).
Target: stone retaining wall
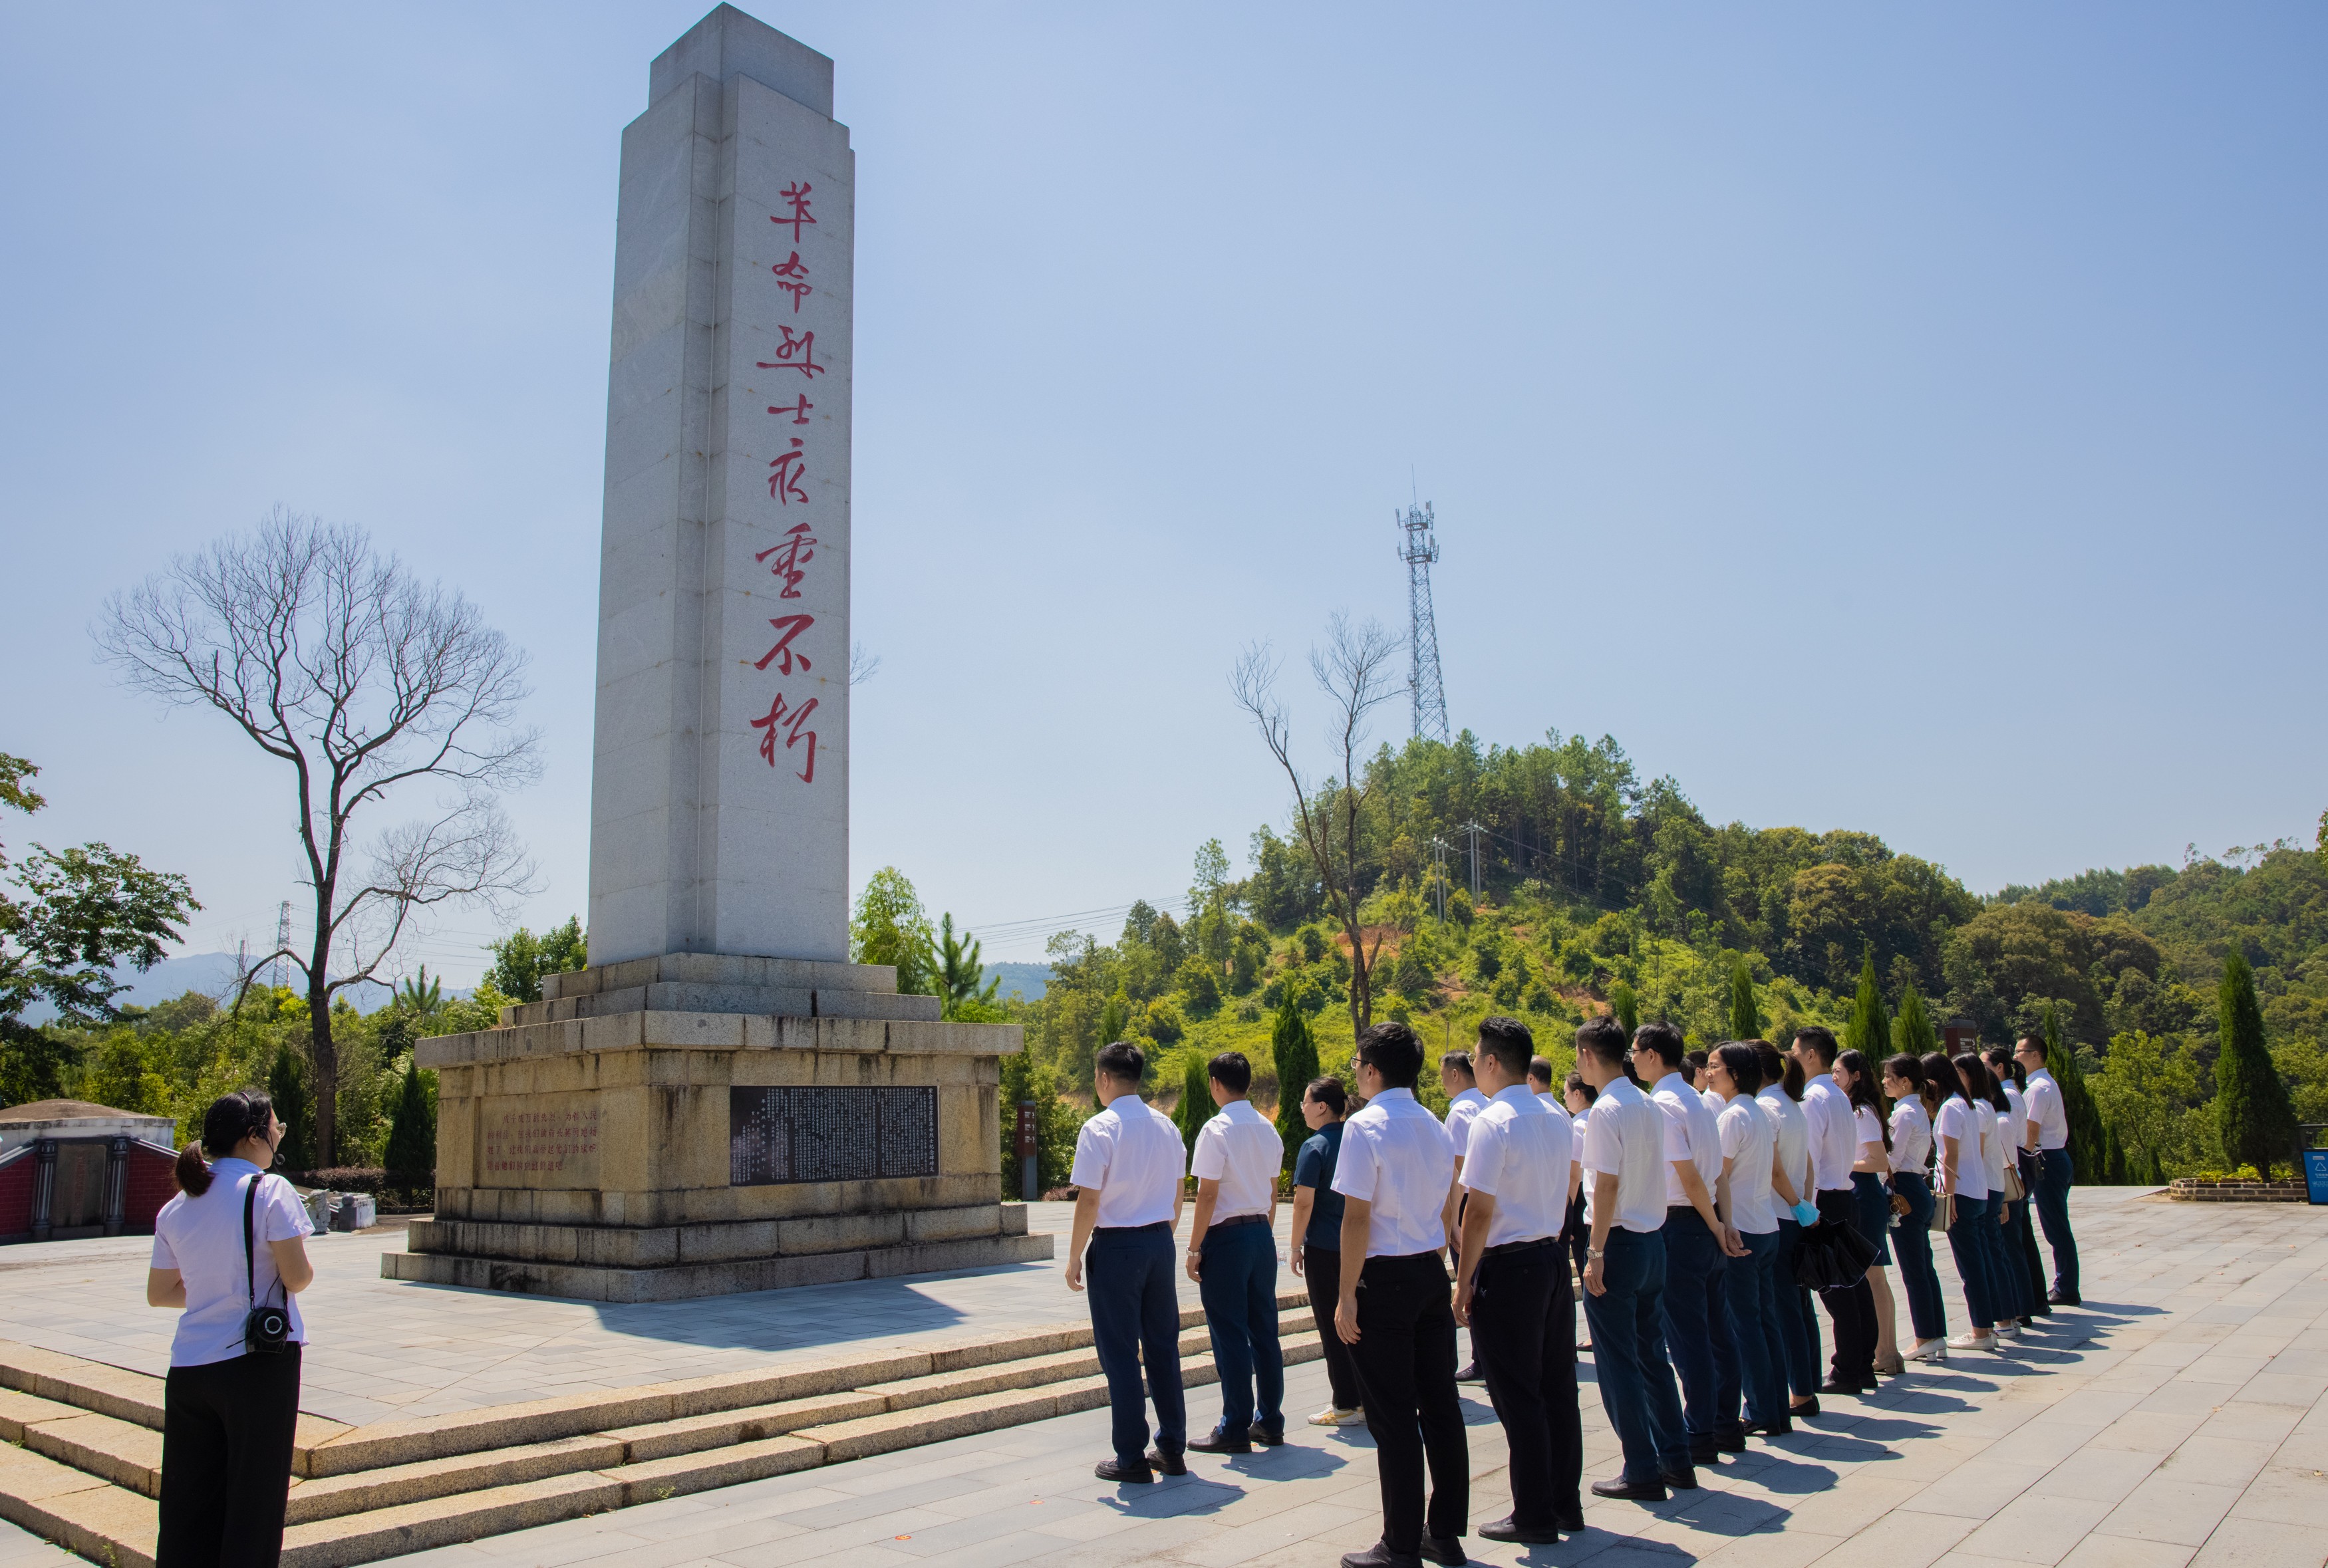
(2194, 1189)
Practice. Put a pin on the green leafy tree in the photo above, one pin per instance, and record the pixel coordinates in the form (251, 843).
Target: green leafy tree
(1056, 1124)
(1294, 1047)
(960, 969)
(2251, 1102)
(1195, 983)
(68, 921)
(891, 927)
(1869, 1032)
(521, 959)
(1745, 1016)
(1625, 1006)
(2086, 1149)
(1196, 1106)
(1912, 1032)
(129, 1072)
(410, 1155)
(422, 997)
(287, 1085)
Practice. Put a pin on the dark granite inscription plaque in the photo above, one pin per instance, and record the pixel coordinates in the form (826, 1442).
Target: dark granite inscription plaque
(820, 1134)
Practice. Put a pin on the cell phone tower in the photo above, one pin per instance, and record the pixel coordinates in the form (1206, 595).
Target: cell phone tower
(1430, 693)
(282, 943)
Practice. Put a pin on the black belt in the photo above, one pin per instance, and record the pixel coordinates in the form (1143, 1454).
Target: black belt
(1239, 1219)
(1163, 1224)
(1502, 1248)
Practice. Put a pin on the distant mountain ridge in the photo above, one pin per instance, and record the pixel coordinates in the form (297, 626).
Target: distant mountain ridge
(1027, 979)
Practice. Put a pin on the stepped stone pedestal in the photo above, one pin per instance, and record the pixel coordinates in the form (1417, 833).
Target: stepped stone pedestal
(696, 1124)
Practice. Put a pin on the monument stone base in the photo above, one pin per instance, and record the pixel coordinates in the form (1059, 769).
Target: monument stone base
(696, 1124)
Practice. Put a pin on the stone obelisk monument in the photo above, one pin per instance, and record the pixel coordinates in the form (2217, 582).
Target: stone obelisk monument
(722, 1101)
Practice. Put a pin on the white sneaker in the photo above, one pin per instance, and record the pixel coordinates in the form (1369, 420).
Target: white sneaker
(1972, 1342)
(2009, 1330)
(1925, 1350)
(1335, 1415)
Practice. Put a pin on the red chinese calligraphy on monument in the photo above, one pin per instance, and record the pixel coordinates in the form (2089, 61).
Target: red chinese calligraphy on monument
(795, 197)
(796, 279)
(796, 352)
(540, 1143)
(798, 411)
(778, 714)
(785, 482)
(791, 627)
(792, 557)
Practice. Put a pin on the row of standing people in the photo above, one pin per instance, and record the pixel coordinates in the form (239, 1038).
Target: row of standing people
(1681, 1183)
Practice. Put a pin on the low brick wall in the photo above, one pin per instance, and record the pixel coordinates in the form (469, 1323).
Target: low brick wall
(2193, 1189)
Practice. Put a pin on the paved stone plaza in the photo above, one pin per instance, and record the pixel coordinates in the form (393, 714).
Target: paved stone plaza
(2179, 1417)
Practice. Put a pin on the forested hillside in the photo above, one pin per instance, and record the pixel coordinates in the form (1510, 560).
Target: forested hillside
(1594, 884)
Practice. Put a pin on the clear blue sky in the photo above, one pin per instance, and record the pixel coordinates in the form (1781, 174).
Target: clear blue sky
(1908, 419)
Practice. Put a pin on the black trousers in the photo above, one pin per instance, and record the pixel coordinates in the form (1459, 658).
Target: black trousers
(1406, 1374)
(1524, 1327)
(1853, 1309)
(226, 1461)
(1321, 1271)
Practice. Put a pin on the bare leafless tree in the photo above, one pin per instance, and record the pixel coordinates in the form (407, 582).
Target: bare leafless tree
(378, 692)
(1353, 669)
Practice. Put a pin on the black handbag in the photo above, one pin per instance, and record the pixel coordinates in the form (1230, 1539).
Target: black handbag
(1832, 1256)
(266, 1331)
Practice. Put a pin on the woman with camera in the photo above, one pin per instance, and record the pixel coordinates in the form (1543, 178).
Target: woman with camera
(229, 1252)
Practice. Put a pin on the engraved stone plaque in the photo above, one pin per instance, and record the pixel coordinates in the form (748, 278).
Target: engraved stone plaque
(830, 1135)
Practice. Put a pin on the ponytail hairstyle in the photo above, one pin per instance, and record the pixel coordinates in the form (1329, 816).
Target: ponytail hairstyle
(1782, 1070)
(1910, 1070)
(2002, 1065)
(1864, 1093)
(1972, 1078)
(231, 1118)
(1940, 1080)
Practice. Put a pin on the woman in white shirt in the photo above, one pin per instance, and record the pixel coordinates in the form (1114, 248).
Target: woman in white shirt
(1964, 1187)
(1579, 1095)
(233, 1240)
(2026, 1275)
(1871, 1175)
(2005, 1282)
(1911, 1185)
(1780, 1097)
(1749, 1158)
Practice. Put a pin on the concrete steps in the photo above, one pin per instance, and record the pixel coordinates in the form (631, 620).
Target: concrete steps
(84, 1468)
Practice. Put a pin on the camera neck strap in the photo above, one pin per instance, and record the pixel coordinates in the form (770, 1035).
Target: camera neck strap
(250, 1253)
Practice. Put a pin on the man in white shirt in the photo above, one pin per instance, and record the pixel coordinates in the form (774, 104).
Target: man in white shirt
(1625, 1270)
(1695, 1299)
(1512, 1287)
(1834, 1145)
(1464, 1103)
(2047, 1132)
(1128, 1164)
(1392, 1174)
(1233, 1258)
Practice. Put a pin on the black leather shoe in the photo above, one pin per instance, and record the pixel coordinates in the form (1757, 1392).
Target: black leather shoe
(1631, 1491)
(2064, 1298)
(1470, 1374)
(1729, 1442)
(1808, 1407)
(1263, 1438)
(1219, 1441)
(1838, 1385)
(1679, 1481)
(1444, 1550)
(1380, 1556)
(1569, 1521)
(1506, 1529)
(1766, 1429)
(1166, 1464)
(1124, 1474)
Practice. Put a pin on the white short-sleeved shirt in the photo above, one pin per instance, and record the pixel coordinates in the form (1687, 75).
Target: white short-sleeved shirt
(1131, 1155)
(1692, 1135)
(1833, 1143)
(1794, 1137)
(1241, 1150)
(201, 1238)
(1959, 1121)
(1576, 1124)
(1712, 1102)
(1625, 1137)
(2047, 1108)
(1398, 1158)
(1461, 1112)
(1911, 1136)
(1749, 1141)
(1866, 1128)
(1519, 1156)
(1992, 1145)
(2013, 1124)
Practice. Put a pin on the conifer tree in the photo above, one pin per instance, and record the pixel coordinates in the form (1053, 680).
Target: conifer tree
(1870, 1033)
(411, 1153)
(287, 1085)
(1195, 1100)
(2251, 1102)
(1625, 1006)
(2088, 1149)
(1295, 1050)
(1745, 1016)
(1912, 1032)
